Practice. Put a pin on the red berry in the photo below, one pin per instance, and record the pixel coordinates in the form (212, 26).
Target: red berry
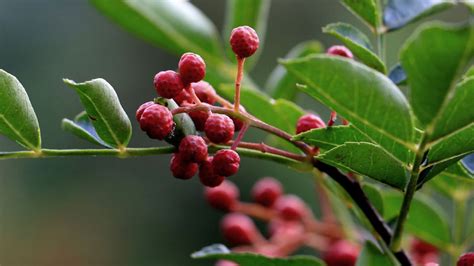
(226, 162)
(205, 92)
(199, 118)
(290, 207)
(223, 197)
(157, 121)
(184, 97)
(238, 229)
(182, 169)
(266, 191)
(244, 41)
(193, 149)
(340, 50)
(207, 175)
(219, 128)
(142, 108)
(341, 253)
(466, 259)
(421, 247)
(191, 68)
(308, 122)
(168, 84)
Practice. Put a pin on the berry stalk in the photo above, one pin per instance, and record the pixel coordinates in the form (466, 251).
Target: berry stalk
(238, 81)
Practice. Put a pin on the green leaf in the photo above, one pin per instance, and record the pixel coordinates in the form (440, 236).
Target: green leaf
(426, 219)
(367, 10)
(373, 193)
(253, 13)
(82, 127)
(398, 13)
(368, 99)
(433, 58)
(455, 123)
(103, 108)
(357, 42)
(17, 118)
(218, 251)
(372, 256)
(455, 179)
(331, 137)
(370, 160)
(280, 84)
(177, 26)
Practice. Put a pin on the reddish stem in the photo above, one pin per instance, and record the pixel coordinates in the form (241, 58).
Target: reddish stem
(193, 94)
(269, 149)
(255, 210)
(240, 136)
(245, 117)
(238, 80)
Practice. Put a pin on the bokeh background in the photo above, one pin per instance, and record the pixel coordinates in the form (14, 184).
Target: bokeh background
(108, 211)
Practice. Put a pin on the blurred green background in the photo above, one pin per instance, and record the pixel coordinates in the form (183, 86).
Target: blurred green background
(108, 211)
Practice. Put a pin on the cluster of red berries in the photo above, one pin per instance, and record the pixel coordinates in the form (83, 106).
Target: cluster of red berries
(186, 87)
(157, 121)
(287, 217)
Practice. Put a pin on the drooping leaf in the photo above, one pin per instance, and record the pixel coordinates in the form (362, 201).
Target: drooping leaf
(367, 10)
(398, 13)
(357, 42)
(372, 256)
(17, 118)
(424, 211)
(219, 251)
(398, 75)
(433, 59)
(455, 179)
(330, 137)
(177, 26)
(104, 109)
(253, 13)
(368, 99)
(370, 160)
(82, 127)
(280, 84)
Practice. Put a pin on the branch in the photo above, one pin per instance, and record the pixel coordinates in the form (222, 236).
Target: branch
(353, 188)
